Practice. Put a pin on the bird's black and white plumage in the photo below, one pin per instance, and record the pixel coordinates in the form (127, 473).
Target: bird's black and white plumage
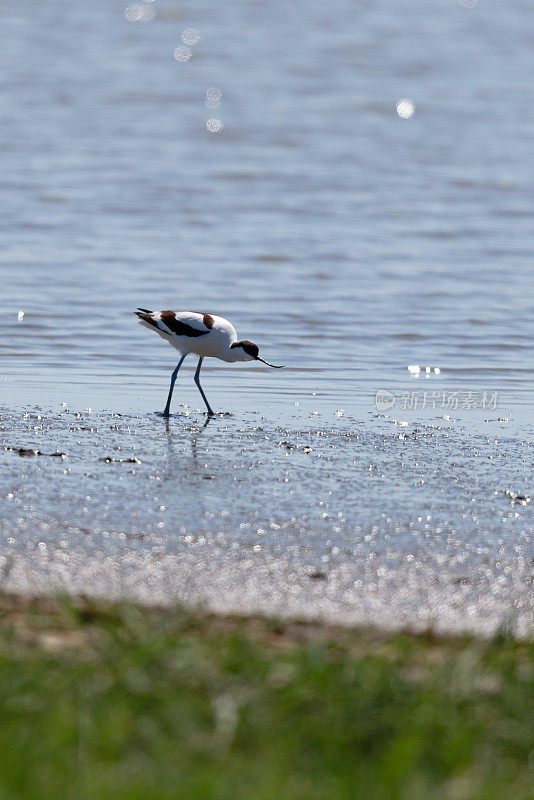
(204, 335)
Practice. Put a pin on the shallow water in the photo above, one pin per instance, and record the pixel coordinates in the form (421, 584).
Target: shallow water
(347, 242)
(356, 522)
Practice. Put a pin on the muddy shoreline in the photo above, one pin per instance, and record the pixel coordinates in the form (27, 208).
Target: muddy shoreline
(414, 526)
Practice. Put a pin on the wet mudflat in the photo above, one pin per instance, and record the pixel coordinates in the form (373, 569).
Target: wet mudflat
(349, 243)
(398, 523)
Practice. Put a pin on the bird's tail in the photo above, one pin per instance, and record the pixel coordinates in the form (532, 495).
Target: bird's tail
(146, 319)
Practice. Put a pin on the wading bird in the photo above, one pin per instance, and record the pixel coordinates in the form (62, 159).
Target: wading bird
(204, 335)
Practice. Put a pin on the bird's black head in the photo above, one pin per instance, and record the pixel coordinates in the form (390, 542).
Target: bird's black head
(248, 351)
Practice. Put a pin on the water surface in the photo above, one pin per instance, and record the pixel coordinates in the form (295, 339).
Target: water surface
(347, 242)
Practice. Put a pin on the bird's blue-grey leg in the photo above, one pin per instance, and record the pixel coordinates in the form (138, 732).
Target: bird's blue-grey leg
(211, 412)
(173, 381)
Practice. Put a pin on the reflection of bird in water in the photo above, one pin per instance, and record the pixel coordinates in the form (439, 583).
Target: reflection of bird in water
(176, 459)
(204, 335)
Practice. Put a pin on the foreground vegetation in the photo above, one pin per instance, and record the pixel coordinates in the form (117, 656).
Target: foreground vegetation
(118, 702)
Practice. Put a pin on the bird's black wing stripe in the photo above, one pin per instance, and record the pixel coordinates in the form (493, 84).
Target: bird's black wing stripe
(179, 328)
(144, 310)
(147, 318)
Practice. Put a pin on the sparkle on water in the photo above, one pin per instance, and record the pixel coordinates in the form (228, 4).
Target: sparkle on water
(415, 369)
(214, 125)
(190, 36)
(412, 524)
(182, 53)
(405, 109)
(139, 13)
(468, 3)
(213, 97)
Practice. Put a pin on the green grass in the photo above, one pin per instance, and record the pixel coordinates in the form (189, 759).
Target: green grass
(117, 702)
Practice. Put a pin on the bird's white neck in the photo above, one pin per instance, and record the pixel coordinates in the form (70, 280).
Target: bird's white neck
(236, 354)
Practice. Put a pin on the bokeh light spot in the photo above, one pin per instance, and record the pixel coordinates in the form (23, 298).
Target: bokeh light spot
(214, 125)
(213, 97)
(191, 36)
(405, 109)
(182, 53)
(139, 13)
